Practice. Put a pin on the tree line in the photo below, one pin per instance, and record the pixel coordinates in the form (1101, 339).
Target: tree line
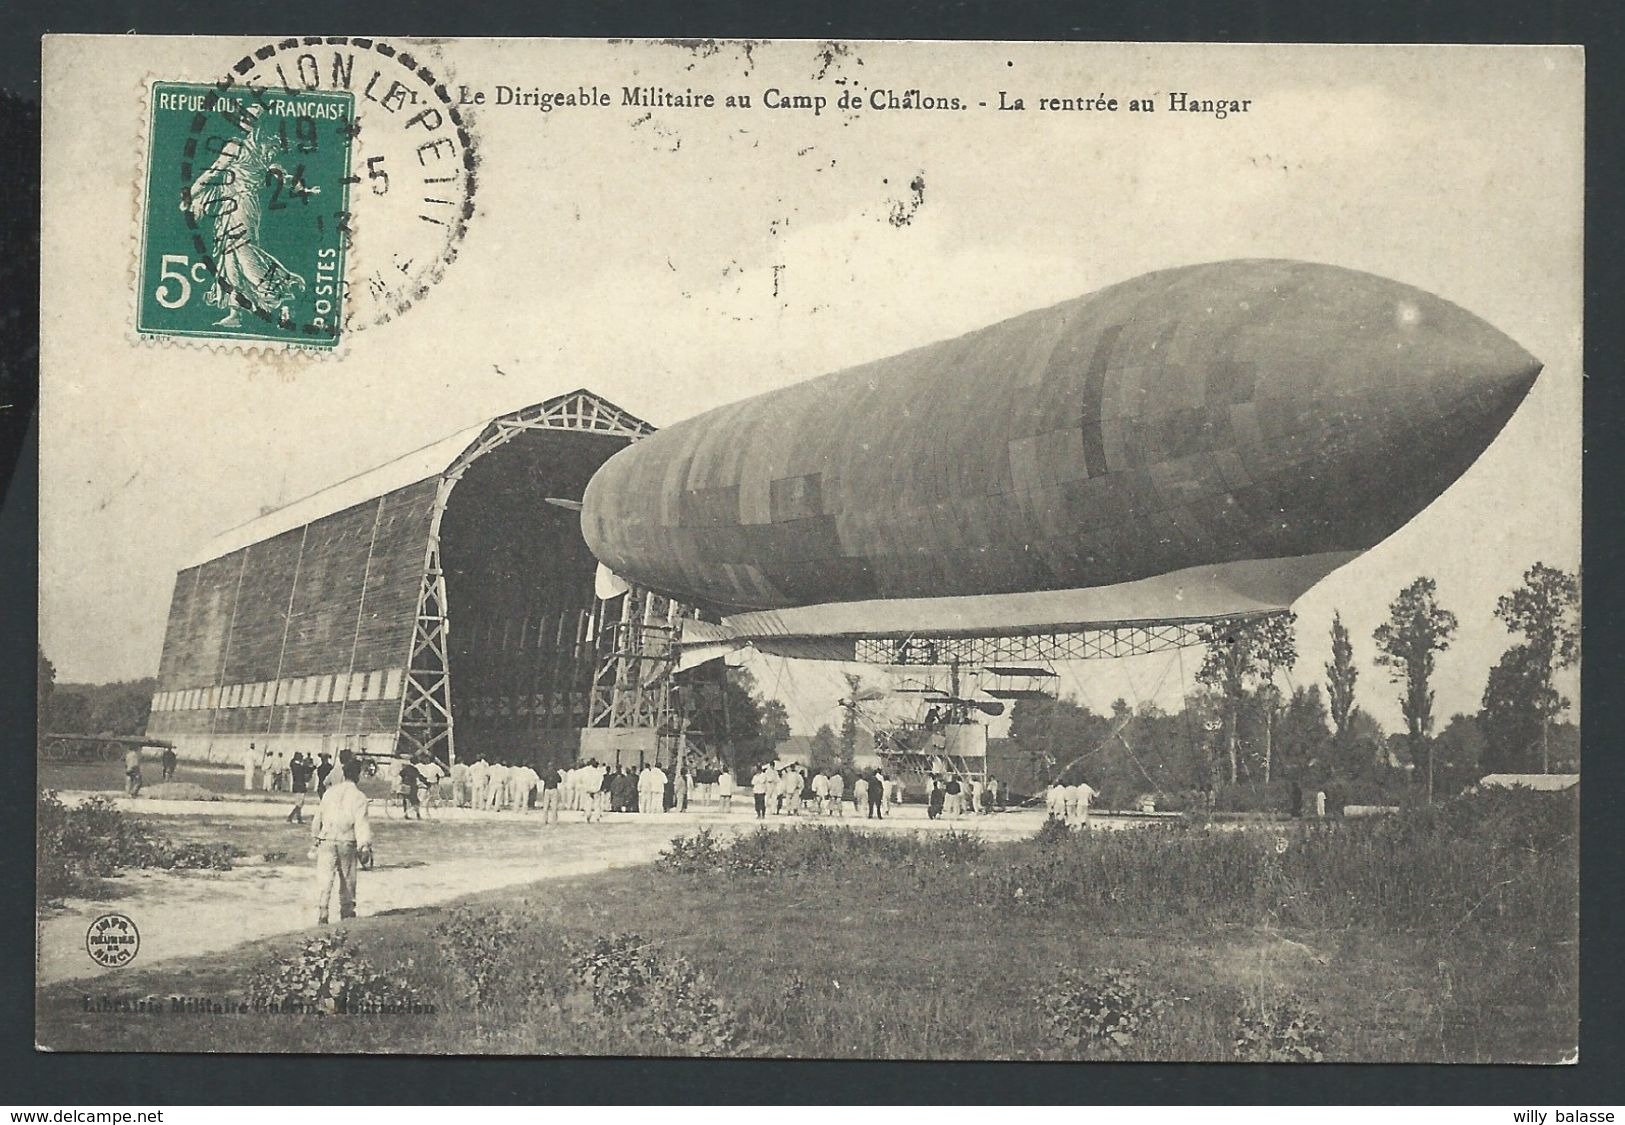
(1240, 731)
(67, 708)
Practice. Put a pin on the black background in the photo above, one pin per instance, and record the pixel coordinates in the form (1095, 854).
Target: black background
(49, 1081)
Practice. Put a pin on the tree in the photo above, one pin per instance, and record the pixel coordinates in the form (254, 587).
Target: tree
(824, 751)
(71, 714)
(1515, 705)
(1302, 734)
(775, 721)
(1459, 753)
(1340, 676)
(753, 726)
(1060, 731)
(1240, 653)
(1546, 610)
(1366, 754)
(849, 721)
(1417, 627)
(122, 708)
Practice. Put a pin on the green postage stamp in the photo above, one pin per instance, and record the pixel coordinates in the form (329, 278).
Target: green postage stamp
(246, 220)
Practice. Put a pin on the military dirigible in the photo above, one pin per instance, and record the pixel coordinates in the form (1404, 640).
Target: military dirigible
(1194, 443)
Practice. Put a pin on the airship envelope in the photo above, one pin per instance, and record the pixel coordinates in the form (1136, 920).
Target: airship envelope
(1194, 443)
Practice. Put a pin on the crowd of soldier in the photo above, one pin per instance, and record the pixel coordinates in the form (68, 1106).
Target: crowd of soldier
(1069, 803)
(590, 788)
(594, 789)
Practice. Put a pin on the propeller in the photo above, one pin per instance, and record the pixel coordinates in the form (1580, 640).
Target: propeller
(561, 502)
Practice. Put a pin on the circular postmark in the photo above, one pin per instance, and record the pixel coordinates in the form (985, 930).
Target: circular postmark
(113, 941)
(326, 184)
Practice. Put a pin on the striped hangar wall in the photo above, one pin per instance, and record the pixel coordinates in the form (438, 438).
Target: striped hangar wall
(300, 639)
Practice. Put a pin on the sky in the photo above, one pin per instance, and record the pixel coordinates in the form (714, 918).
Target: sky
(674, 260)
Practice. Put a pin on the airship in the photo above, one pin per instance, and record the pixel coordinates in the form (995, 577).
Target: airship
(1193, 444)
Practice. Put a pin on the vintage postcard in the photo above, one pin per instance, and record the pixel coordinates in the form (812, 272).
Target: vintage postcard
(810, 549)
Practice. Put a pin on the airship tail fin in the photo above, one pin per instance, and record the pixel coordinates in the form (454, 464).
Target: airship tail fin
(607, 584)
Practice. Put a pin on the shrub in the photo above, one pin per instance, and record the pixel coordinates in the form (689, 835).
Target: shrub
(154, 851)
(326, 977)
(80, 845)
(954, 846)
(1101, 1015)
(1504, 856)
(477, 947)
(654, 995)
(816, 849)
(691, 855)
(1053, 831)
(1279, 1030)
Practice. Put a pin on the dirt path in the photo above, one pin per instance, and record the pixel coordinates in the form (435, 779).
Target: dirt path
(189, 912)
(183, 913)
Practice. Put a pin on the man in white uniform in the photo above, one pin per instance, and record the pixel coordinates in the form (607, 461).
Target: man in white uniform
(592, 789)
(497, 785)
(652, 789)
(431, 773)
(569, 792)
(521, 783)
(1084, 793)
(342, 836)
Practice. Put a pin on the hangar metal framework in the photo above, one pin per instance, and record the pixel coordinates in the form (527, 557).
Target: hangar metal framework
(426, 713)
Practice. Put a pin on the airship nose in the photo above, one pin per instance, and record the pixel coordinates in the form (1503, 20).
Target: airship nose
(1452, 381)
(1416, 389)
(1448, 362)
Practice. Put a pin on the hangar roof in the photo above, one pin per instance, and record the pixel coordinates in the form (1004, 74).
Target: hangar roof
(586, 410)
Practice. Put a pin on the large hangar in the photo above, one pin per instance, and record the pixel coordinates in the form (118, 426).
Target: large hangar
(324, 624)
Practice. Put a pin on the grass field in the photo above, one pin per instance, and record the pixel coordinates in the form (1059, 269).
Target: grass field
(1412, 942)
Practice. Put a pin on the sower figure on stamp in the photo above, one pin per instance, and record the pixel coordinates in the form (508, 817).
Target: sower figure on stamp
(225, 202)
(343, 835)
